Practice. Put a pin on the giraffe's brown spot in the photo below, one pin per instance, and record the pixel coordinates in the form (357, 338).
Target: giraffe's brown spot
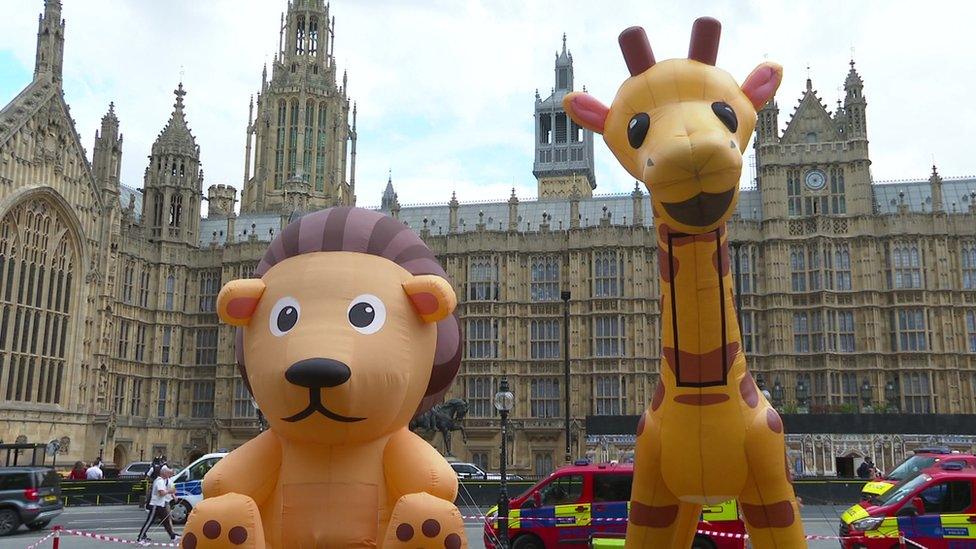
(211, 529)
(652, 517)
(774, 421)
(698, 368)
(658, 396)
(189, 541)
(749, 391)
(641, 423)
(404, 532)
(430, 528)
(723, 268)
(237, 535)
(776, 515)
(667, 263)
(452, 541)
(701, 399)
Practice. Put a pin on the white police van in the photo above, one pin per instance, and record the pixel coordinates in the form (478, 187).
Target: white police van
(189, 486)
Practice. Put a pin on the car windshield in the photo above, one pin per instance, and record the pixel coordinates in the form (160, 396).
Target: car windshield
(138, 467)
(902, 490)
(910, 466)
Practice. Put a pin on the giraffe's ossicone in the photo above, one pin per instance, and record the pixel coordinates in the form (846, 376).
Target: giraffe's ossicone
(681, 126)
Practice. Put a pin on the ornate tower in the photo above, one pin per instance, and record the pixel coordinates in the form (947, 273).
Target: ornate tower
(389, 196)
(174, 182)
(107, 157)
(820, 164)
(50, 43)
(220, 200)
(563, 150)
(301, 129)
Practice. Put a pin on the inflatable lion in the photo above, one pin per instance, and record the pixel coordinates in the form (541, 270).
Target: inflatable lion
(345, 333)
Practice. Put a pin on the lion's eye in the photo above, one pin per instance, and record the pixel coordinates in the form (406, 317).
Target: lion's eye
(367, 314)
(284, 316)
(637, 129)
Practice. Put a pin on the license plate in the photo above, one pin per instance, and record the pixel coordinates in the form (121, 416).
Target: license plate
(50, 498)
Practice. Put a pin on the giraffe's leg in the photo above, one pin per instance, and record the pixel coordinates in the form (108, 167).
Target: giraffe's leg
(657, 518)
(768, 502)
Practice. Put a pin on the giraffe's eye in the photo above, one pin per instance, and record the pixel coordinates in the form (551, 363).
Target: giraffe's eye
(725, 113)
(637, 129)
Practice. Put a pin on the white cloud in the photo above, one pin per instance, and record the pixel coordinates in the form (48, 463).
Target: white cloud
(446, 88)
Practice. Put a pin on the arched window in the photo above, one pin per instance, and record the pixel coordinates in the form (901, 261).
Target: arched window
(300, 36)
(35, 302)
(320, 153)
(293, 138)
(170, 284)
(280, 147)
(309, 139)
(313, 36)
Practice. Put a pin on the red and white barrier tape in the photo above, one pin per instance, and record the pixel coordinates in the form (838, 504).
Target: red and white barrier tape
(102, 537)
(38, 543)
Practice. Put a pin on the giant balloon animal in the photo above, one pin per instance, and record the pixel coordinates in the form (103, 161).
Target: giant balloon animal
(681, 126)
(346, 333)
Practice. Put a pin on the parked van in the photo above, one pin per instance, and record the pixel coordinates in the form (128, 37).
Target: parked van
(189, 486)
(935, 508)
(922, 459)
(579, 502)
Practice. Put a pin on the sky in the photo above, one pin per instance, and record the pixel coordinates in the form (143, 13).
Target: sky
(445, 88)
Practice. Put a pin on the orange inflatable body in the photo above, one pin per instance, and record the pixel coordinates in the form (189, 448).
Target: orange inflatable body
(345, 334)
(681, 126)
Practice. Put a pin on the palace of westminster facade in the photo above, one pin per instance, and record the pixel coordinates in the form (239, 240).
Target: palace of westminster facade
(853, 293)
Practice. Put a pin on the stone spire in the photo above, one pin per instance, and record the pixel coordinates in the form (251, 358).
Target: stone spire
(389, 195)
(935, 187)
(176, 135)
(49, 56)
(107, 156)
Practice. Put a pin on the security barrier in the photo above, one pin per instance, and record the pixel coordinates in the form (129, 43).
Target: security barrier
(103, 492)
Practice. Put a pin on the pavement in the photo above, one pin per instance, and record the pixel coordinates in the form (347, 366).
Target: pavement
(124, 522)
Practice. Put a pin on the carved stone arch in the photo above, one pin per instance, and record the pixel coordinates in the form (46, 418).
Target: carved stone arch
(64, 210)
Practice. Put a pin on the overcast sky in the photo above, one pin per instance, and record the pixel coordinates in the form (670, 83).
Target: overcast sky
(446, 88)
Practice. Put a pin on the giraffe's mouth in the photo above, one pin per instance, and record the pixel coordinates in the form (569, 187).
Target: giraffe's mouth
(701, 210)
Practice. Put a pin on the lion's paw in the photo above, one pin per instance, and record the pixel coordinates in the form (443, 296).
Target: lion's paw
(422, 520)
(231, 521)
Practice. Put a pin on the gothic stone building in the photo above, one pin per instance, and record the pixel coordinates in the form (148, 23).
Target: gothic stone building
(856, 295)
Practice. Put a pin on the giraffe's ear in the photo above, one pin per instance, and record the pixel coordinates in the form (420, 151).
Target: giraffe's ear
(586, 111)
(761, 84)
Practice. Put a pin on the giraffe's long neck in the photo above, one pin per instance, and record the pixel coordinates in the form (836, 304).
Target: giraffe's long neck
(701, 344)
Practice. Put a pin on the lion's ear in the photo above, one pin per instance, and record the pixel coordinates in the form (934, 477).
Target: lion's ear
(432, 297)
(238, 299)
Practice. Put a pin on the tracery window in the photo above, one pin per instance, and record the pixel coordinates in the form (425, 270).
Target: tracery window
(909, 330)
(280, 147)
(37, 261)
(202, 404)
(242, 400)
(309, 139)
(608, 267)
(544, 397)
(905, 267)
(483, 279)
(544, 338)
(209, 288)
(968, 260)
(479, 392)
(544, 283)
(293, 138)
(608, 395)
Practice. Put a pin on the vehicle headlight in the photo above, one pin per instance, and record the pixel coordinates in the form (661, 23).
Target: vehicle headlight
(866, 524)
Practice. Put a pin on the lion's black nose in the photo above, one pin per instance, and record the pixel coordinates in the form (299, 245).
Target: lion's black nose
(315, 373)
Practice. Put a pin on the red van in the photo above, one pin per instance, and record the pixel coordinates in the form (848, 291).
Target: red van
(578, 502)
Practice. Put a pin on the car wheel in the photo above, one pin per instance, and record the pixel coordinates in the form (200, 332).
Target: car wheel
(702, 542)
(527, 542)
(39, 525)
(9, 521)
(180, 513)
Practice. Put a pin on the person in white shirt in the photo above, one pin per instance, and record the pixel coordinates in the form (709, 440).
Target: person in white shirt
(94, 473)
(163, 492)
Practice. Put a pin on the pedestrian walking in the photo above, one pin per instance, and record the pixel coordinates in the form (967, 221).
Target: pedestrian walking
(163, 492)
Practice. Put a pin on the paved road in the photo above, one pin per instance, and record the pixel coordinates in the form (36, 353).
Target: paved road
(124, 522)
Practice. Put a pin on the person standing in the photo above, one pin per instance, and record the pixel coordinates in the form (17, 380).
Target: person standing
(78, 472)
(94, 472)
(163, 491)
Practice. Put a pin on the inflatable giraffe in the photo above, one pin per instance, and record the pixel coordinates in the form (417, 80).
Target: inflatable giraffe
(681, 126)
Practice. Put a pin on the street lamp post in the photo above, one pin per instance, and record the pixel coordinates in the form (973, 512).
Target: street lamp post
(504, 401)
(890, 396)
(565, 297)
(802, 393)
(866, 395)
(777, 394)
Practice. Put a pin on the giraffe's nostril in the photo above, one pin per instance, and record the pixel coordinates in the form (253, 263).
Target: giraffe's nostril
(731, 143)
(650, 162)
